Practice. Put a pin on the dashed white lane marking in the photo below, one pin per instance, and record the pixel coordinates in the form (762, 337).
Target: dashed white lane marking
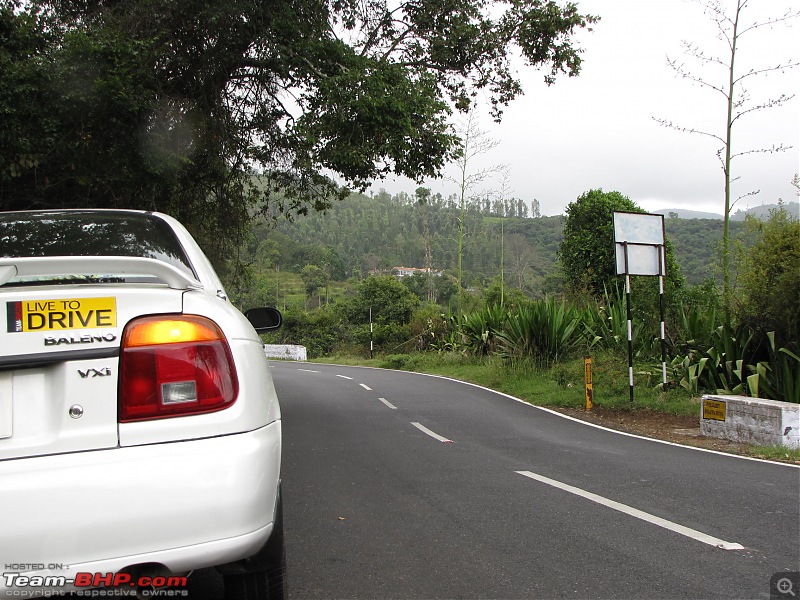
(387, 403)
(308, 370)
(365, 386)
(434, 435)
(344, 377)
(634, 512)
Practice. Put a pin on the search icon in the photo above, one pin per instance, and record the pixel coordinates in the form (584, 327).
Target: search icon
(785, 586)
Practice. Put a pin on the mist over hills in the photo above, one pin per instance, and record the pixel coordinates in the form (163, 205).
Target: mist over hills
(759, 212)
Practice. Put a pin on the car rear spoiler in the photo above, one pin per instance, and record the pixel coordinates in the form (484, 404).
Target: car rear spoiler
(96, 265)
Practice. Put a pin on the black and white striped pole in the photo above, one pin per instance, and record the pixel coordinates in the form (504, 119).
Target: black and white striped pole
(661, 263)
(630, 320)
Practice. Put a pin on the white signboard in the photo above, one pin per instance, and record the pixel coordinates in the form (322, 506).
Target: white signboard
(644, 236)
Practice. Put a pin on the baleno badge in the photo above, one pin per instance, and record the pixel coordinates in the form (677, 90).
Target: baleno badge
(79, 339)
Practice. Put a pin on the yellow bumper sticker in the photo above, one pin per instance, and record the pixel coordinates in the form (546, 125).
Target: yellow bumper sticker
(61, 314)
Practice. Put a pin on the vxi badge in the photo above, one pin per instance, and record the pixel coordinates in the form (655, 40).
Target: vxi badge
(104, 372)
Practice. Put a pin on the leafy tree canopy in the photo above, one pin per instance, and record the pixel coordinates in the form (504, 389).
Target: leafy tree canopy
(769, 278)
(388, 299)
(314, 278)
(174, 105)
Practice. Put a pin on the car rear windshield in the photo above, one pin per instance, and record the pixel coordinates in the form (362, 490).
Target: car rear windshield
(90, 233)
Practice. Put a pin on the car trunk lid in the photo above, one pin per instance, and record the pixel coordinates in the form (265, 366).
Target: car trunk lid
(59, 359)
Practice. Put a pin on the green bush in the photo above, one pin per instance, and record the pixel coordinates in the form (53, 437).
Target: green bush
(546, 331)
(697, 327)
(390, 337)
(732, 364)
(479, 329)
(429, 327)
(605, 323)
(320, 331)
(780, 379)
(768, 280)
(395, 361)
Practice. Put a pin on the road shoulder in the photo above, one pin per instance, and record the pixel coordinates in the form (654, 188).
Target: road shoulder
(677, 429)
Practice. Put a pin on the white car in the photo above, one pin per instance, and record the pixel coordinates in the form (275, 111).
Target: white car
(140, 432)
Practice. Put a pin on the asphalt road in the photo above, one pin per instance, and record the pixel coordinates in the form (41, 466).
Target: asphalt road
(399, 485)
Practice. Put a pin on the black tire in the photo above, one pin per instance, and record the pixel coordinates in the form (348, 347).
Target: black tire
(266, 584)
(247, 586)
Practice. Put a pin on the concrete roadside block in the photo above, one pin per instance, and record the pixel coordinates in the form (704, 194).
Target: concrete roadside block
(751, 420)
(285, 351)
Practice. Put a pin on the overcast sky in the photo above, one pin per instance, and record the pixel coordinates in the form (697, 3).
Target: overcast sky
(597, 130)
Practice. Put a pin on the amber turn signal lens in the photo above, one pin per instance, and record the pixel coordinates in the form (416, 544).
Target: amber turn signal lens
(153, 331)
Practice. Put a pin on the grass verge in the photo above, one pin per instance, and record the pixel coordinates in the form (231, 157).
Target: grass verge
(558, 385)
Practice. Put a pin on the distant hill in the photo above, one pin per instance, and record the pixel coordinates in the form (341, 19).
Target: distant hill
(361, 235)
(762, 212)
(683, 213)
(759, 212)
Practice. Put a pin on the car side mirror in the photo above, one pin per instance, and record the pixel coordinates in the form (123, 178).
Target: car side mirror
(265, 318)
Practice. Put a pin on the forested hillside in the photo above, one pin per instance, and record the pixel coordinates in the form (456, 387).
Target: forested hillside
(696, 243)
(363, 235)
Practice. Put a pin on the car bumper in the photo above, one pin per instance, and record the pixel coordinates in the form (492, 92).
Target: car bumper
(184, 505)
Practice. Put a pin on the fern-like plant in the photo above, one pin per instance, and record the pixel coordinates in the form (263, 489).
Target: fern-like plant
(545, 330)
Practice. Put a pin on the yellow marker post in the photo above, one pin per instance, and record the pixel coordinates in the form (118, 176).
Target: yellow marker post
(587, 369)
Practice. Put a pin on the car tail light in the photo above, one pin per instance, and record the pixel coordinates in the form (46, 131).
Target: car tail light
(174, 365)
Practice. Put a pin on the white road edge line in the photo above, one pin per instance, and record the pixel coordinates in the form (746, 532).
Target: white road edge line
(365, 386)
(555, 413)
(345, 377)
(387, 403)
(603, 428)
(434, 435)
(628, 510)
